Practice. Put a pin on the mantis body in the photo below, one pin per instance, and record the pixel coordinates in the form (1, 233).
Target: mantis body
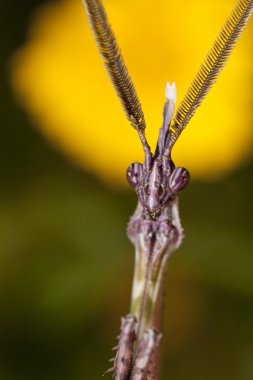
(155, 228)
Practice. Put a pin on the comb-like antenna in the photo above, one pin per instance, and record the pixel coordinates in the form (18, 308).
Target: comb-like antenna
(211, 67)
(115, 66)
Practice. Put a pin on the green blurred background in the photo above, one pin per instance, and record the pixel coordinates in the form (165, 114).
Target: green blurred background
(66, 264)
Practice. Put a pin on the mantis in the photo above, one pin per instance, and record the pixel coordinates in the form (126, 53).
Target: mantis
(155, 228)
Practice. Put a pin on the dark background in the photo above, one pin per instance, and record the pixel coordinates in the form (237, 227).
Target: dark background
(66, 264)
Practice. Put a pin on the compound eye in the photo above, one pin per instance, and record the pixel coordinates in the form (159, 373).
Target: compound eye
(179, 179)
(134, 174)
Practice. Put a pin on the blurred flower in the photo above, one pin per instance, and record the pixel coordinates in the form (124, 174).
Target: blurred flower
(59, 78)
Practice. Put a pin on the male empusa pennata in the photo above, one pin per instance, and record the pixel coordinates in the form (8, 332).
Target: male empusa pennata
(155, 228)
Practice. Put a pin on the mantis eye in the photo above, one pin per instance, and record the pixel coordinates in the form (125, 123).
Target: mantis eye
(179, 179)
(134, 174)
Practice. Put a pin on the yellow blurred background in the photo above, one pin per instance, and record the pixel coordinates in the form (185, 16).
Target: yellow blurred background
(65, 262)
(61, 81)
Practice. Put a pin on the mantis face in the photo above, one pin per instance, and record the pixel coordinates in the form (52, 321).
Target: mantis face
(158, 187)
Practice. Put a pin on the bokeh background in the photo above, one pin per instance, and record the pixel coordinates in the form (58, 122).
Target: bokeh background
(65, 261)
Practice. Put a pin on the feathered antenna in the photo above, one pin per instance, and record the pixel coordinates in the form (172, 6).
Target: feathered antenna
(115, 66)
(209, 70)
